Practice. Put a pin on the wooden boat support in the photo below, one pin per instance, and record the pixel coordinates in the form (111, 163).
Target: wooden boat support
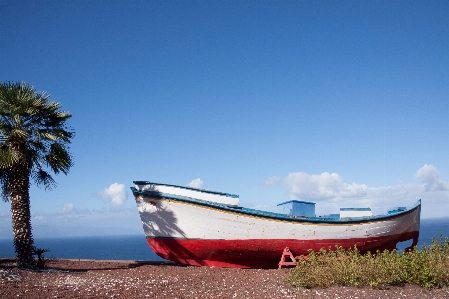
(287, 254)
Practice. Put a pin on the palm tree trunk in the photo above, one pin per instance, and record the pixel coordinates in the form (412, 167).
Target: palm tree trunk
(19, 186)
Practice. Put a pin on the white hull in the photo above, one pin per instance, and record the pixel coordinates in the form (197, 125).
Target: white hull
(196, 232)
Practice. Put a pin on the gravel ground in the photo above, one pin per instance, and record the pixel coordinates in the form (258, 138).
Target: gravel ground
(129, 279)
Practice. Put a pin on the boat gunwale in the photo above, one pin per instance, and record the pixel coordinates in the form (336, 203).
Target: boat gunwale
(273, 215)
(186, 187)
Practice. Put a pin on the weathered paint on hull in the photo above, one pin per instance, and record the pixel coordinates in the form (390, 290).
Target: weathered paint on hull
(258, 253)
(195, 232)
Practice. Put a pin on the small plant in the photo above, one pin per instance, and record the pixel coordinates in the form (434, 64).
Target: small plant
(426, 268)
(39, 252)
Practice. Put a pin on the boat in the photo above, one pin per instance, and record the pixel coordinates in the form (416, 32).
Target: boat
(198, 227)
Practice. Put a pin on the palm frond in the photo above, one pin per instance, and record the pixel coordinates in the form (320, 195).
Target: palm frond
(64, 135)
(43, 178)
(4, 184)
(59, 158)
(19, 133)
(46, 134)
(9, 157)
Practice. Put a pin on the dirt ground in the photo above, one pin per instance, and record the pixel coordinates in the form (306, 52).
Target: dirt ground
(130, 279)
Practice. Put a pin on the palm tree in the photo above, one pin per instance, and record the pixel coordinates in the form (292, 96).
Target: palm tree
(34, 138)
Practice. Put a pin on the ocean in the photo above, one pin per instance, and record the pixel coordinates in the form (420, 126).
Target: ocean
(129, 247)
(135, 247)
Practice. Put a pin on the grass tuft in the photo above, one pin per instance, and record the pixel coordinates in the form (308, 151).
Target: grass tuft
(428, 267)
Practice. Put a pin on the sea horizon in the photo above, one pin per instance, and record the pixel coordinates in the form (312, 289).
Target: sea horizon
(111, 247)
(134, 246)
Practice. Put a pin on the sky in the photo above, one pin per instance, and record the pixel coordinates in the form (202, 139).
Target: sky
(343, 103)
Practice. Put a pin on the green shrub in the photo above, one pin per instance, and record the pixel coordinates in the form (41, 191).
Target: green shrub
(426, 268)
(41, 260)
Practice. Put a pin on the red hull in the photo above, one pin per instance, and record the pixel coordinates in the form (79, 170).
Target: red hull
(258, 253)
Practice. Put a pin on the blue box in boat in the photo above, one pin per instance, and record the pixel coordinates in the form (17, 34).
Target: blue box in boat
(297, 208)
(396, 210)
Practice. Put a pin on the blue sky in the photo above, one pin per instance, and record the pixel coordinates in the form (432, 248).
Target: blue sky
(340, 102)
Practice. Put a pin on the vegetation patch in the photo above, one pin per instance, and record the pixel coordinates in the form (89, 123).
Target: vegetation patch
(427, 267)
(41, 262)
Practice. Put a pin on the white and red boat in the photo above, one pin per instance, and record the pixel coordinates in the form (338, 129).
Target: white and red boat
(205, 228)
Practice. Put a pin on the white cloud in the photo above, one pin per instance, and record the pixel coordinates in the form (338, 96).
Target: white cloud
(331, 192)
(301, 185)
(428, 174)
(273, 181)
(197, 183)
(116, 193)
(67, 208)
